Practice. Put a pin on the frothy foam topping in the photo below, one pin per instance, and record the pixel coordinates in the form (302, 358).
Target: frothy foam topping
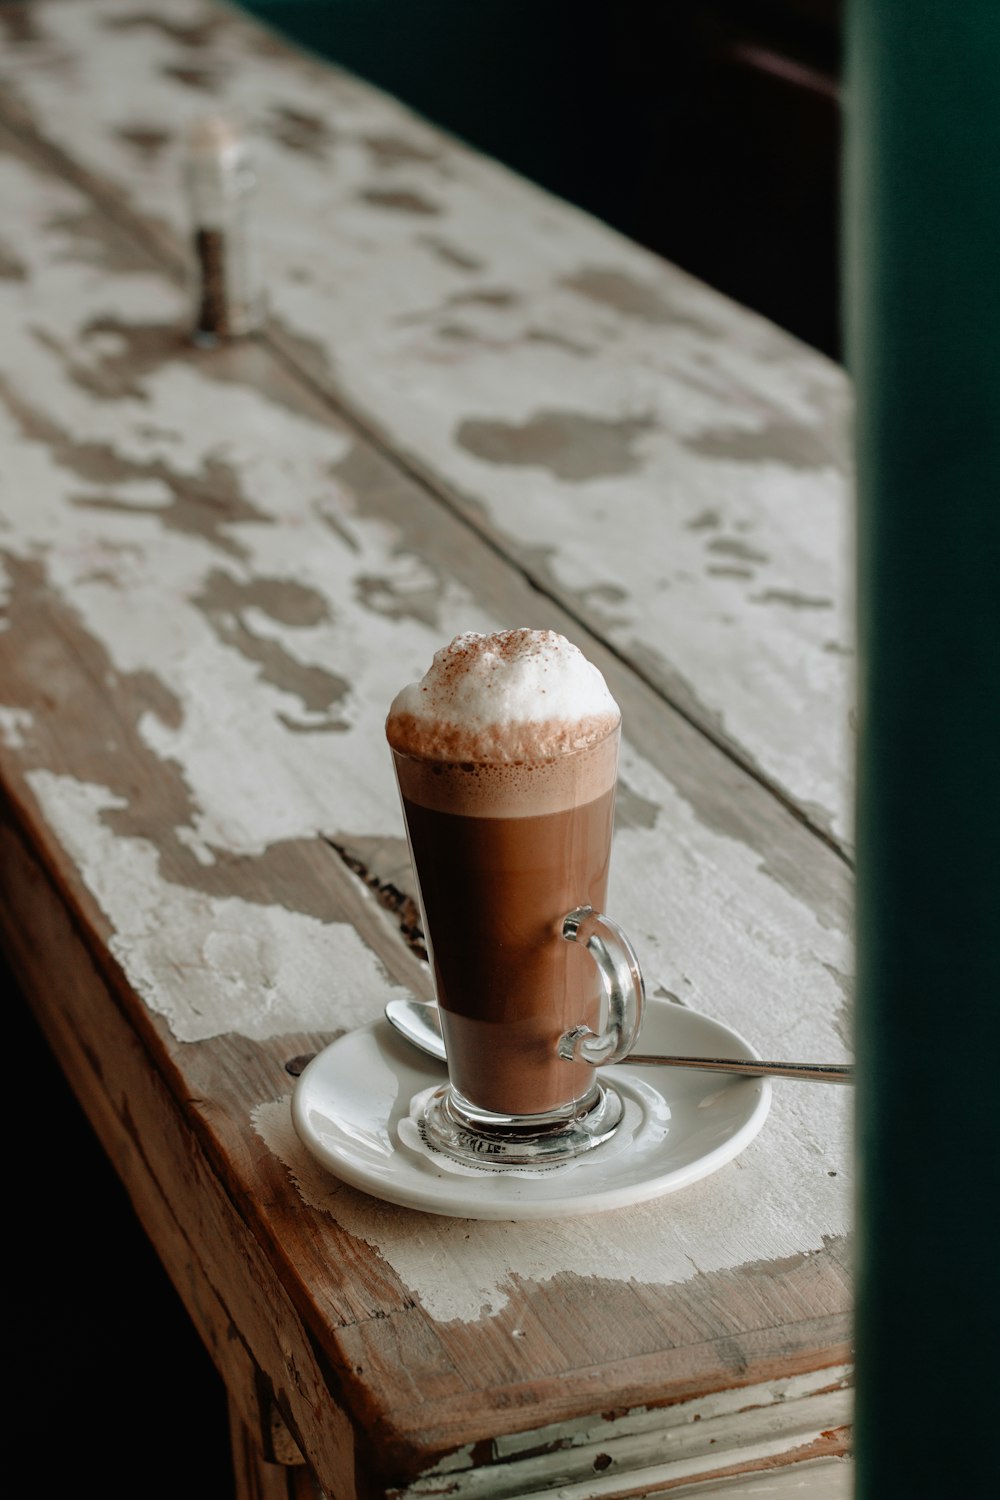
(510, 696)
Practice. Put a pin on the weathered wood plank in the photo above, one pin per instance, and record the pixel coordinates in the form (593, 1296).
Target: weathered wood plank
(258, 1479)
(212, 587)
(527, 361)
(700, 1448)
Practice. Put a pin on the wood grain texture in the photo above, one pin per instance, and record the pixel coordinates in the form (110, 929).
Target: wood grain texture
(213, 583)
(525, 360)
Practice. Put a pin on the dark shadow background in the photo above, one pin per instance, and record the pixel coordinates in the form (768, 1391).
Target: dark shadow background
(708, 130)
(111, 1382)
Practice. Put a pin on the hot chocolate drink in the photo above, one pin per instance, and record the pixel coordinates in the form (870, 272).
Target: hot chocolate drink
(506, 759)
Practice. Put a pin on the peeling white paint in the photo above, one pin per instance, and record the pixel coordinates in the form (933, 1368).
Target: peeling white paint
(709, 377)
(212, 966)
(753, 1209)
(14, 724)
(657, 1446)
(694, 899)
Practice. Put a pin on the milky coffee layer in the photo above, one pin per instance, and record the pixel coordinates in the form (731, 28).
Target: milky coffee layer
(510, 790)
(505, 725)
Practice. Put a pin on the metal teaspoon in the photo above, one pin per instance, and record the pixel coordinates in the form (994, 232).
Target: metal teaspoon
(419, 1023)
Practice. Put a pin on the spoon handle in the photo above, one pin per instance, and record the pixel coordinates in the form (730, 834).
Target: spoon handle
(420, 1024)
(814, 1072)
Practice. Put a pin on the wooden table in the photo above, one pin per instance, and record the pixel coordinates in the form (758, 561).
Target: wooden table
(472, 406)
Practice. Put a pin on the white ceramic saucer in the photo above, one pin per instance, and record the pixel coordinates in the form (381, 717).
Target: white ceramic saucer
(356, 1105)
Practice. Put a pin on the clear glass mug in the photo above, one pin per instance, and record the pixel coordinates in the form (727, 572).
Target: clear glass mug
(536, 986)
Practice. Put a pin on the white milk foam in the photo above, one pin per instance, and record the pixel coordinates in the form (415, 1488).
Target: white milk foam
(513, 723)
(487, 687)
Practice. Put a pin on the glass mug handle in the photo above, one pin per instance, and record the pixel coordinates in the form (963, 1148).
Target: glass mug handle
(623, 984)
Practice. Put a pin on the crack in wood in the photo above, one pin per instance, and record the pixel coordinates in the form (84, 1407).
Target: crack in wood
(389, 896)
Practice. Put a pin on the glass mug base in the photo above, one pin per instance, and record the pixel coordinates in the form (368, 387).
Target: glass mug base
(478, 1137)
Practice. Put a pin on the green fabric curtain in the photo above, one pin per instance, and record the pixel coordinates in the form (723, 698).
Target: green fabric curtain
(922, 329)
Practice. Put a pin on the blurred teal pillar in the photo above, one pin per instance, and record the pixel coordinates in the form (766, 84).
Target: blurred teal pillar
(922, 334)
